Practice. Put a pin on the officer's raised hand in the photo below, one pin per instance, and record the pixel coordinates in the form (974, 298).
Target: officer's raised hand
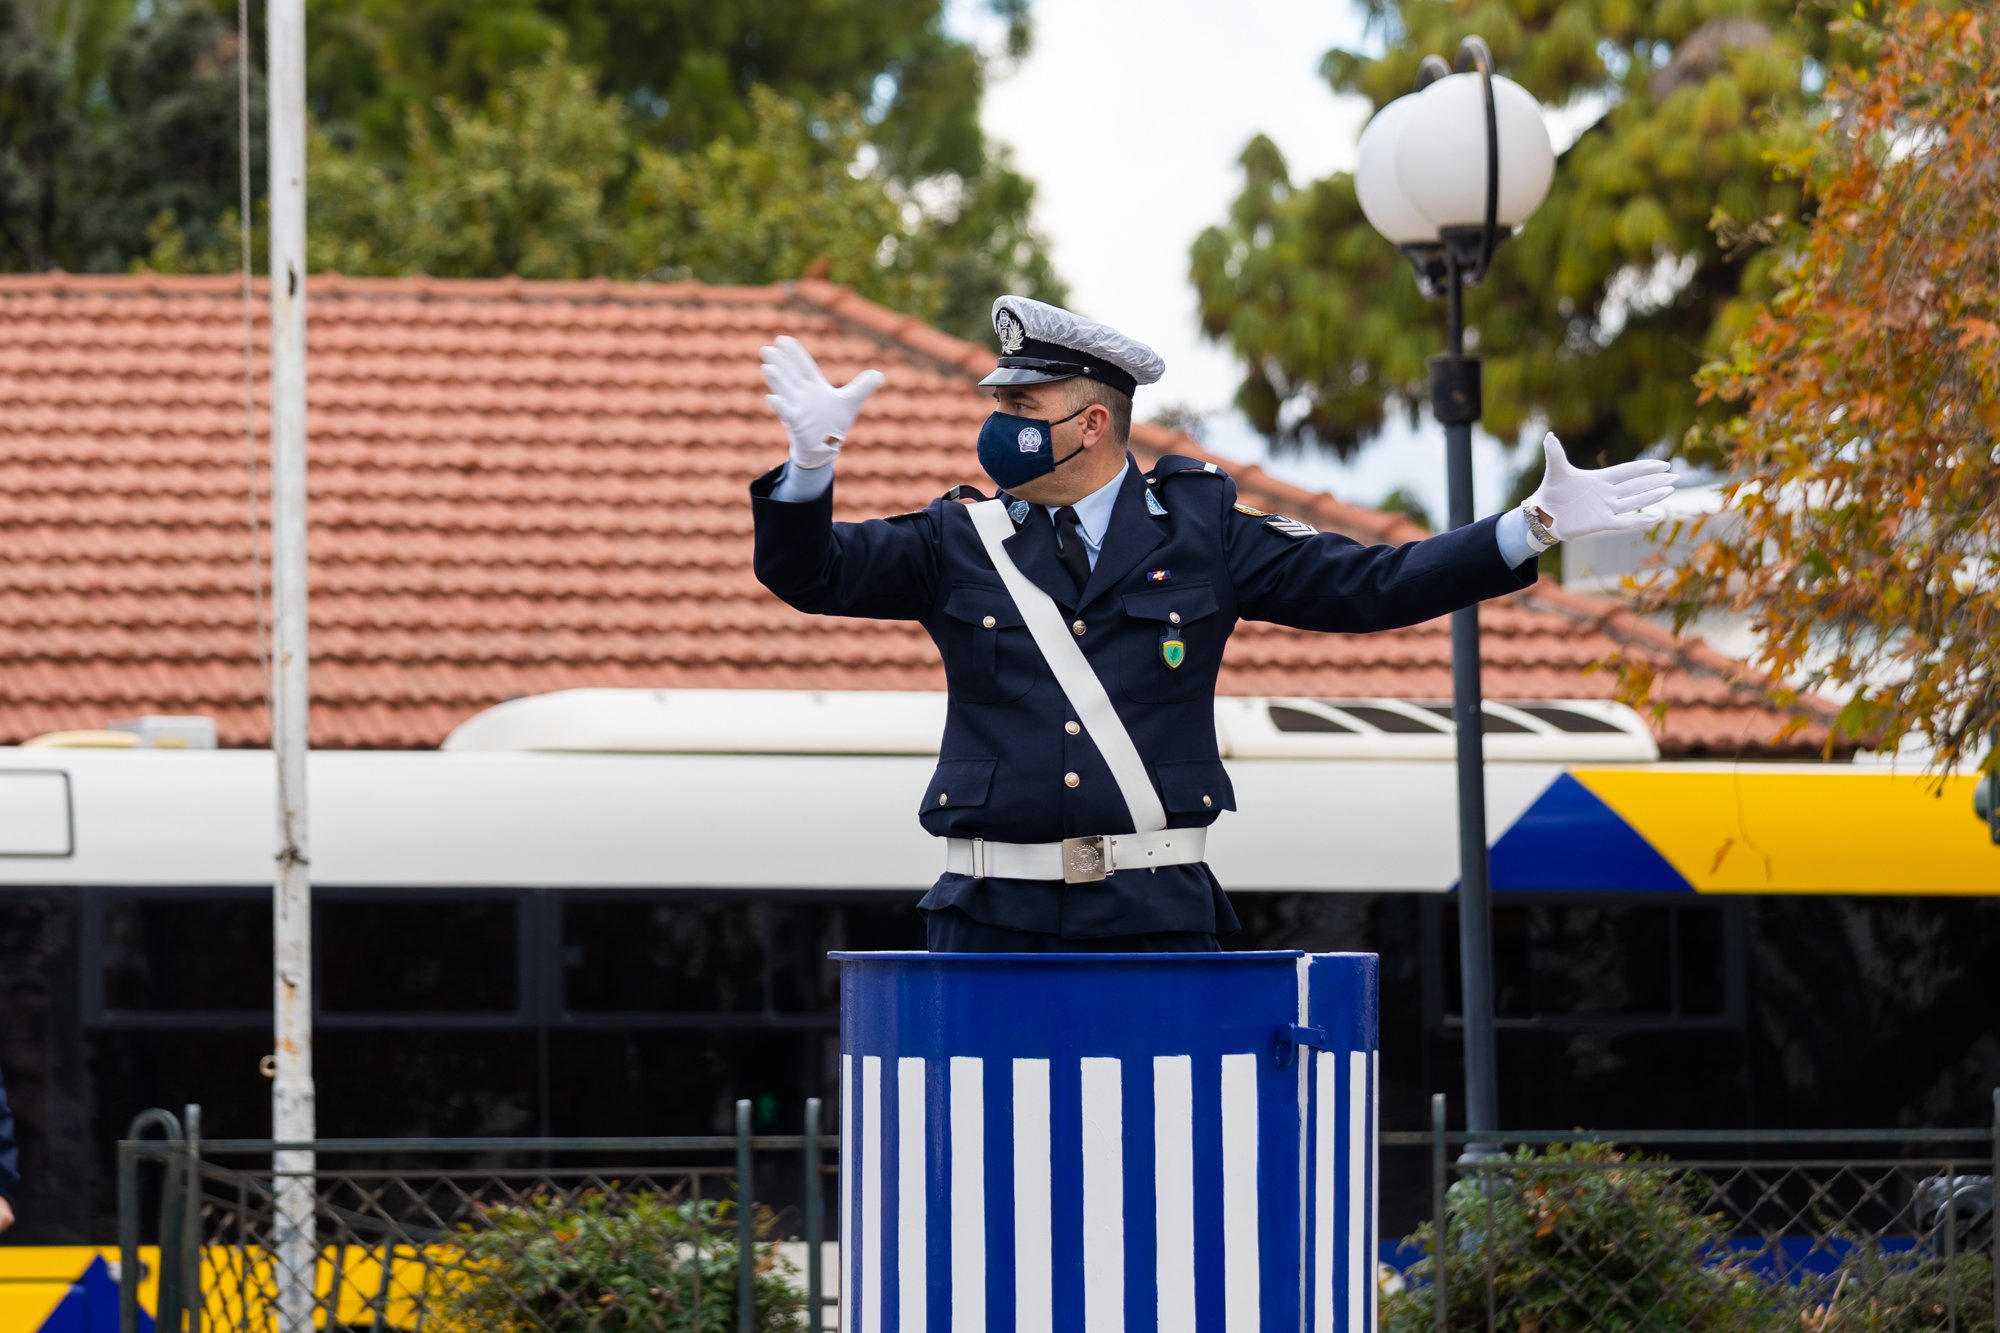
(816, 415)
(1575, 502)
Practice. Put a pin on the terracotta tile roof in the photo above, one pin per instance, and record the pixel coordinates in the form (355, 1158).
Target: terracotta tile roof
(528, 486)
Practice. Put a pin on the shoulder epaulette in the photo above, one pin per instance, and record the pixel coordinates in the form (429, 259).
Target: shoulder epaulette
(1176, 464)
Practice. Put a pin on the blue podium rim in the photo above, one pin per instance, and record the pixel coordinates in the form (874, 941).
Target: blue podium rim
(1233, 957)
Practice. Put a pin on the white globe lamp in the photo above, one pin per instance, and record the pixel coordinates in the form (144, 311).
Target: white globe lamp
(1441, 154)
(1377, 183)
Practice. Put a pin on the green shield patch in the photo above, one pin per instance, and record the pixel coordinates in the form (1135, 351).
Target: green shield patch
(1173, 652)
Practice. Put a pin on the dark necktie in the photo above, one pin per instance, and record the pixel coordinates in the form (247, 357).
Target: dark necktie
(1074, 557)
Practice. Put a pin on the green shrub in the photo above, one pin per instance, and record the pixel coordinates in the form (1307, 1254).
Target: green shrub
(1583, 1238)
(1908, 1292)
(601, 1262)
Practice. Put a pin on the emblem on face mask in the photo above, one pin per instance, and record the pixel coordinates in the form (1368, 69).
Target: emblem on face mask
(1030, 440)
(1010, 331)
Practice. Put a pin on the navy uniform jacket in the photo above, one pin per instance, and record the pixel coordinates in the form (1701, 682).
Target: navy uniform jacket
(1007, 750)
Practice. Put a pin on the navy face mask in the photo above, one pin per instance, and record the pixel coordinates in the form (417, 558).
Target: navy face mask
(1015, 450)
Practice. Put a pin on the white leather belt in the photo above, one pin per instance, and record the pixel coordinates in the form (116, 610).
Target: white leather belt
(1074, 860)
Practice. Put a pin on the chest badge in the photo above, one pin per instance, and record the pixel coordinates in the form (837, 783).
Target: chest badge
(1173, 651)
(1159, 575)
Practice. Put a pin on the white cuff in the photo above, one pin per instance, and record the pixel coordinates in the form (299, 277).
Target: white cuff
(1511, 534)
(799, 485)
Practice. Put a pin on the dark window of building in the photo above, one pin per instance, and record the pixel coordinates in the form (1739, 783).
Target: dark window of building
(182, 954)
(653, 956)
(1582, 963)
(472, 1082)
(686, 1081)
(418, 955)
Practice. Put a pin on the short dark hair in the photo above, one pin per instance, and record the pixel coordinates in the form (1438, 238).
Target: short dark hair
(1083, 391)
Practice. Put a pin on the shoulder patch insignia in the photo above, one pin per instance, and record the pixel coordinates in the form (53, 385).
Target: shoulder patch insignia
(1153, 505)
(1291, 527)
(1254, 513)
(1018, 511)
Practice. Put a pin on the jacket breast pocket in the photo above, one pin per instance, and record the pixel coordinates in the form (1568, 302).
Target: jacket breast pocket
(1194, 787)
(1177, 641)
(989, 656)
(957, 784)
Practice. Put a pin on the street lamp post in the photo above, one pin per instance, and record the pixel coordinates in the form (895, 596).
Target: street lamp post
(1431, 182)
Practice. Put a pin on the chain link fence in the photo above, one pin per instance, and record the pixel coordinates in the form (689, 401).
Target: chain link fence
(1660, 1232)
(507, 1236)
(1671, 1232)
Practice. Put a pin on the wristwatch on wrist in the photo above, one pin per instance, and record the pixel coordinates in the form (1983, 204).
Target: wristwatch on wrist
(1539, 524)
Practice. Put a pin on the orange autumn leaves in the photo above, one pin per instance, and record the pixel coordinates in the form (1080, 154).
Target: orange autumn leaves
(1862, 538)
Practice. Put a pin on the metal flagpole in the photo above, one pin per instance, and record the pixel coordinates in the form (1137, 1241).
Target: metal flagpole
(292, 1108)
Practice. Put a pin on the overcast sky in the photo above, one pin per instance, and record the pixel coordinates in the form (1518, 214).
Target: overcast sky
(1129, 116)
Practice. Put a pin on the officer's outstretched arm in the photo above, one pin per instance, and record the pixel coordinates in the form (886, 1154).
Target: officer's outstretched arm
(885, 569)
(1286, 572)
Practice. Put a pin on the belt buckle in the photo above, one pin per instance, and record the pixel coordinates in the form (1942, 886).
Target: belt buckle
(1086, 860)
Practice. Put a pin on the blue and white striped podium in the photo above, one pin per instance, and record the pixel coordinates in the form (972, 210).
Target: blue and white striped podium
(1102, 1142)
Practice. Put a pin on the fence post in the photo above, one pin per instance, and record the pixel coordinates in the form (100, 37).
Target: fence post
(130, 1270)
(746, 1233)
(815, 1224)
(190, 1255)
(128, 1239)
(1440, 1212)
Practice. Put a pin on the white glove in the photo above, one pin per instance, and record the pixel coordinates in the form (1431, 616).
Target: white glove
(816, 415)
(1573, 502)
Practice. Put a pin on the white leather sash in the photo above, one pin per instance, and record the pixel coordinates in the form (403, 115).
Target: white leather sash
(1084, 690)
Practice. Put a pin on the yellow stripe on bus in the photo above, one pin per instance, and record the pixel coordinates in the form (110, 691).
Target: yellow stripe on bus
(34, 1279)
(1789, 830)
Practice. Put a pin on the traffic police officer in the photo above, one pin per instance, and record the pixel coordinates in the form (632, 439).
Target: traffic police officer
(1150, 572)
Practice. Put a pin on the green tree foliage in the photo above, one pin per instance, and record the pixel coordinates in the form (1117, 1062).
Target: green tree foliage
(1404, 501)
(724, 94)
(37, 124)
(109, 129)
(168, 143)
(684, 68)
(1864, 401)
(547, 179)
(728, 142)
(1596, 316)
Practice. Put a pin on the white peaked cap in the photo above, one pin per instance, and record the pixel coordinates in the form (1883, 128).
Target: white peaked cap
(1041, 342)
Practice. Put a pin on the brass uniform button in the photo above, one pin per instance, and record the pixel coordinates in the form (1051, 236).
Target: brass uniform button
(1077, 626)
(1072, 728)
(943, 798)
(1206, 800)
(1174, 617)
(989, 622)
(1071, 779)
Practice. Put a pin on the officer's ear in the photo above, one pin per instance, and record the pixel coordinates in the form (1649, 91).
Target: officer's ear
(1096, 421)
